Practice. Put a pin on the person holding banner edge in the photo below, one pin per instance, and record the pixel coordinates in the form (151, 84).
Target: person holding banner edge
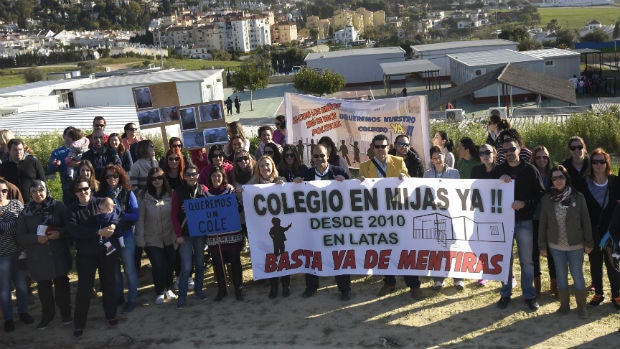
(189, 246)
(383, 165)
(527, 192)
(323, 170)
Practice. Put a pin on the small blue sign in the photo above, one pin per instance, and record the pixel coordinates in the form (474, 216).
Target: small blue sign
(212, 215)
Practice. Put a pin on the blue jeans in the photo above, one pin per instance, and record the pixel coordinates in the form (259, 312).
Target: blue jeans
(129, 266)
(574, 261)
(8, 273)
(524, 235)
(193, 246)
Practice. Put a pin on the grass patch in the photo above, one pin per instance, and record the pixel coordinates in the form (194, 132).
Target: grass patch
(577, 17)
(198, 64)
(12, 80)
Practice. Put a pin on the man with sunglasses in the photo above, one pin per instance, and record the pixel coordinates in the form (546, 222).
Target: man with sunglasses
(403, 148)
(384, 165)
(322, 170)
(99, 124)
(528, 190)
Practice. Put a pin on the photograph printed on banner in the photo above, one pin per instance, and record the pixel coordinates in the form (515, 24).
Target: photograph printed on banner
(217, 135)
(210, 112)
(143, 97)
(188, 118)
(169, 114)
(148, 117)
(193, 139)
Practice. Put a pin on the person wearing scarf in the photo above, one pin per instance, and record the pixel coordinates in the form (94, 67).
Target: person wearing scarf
(189, 246)
(225, 248)
(41, 232)
(565, 228)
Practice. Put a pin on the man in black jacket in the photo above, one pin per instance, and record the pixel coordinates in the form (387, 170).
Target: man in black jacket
(20, 169)
(403, 148)
(322, 170)
(100, 155)
(527, 192)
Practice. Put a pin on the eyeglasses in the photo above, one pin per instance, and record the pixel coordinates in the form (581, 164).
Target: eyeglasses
(4, 191)
(191, 174)
(402, 144)
(484, 152)
(316, 156)
(268, 152)
(82, 190)
(157, 178)
(132, 129)
(542, 157)
(242, 158)
(289, 155)
(598, 162)
(174, 159)
(380, 146)
(437, 159)
(99, 125)
(176, 146)
(510, 150)
(557, 178)
(575, 147)
(111, 176)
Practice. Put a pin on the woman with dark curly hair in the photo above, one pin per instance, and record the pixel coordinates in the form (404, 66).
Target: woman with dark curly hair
(291, 167)
(118, 188)
(216, 158)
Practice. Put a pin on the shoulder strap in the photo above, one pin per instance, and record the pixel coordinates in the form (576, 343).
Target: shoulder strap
(379, 168)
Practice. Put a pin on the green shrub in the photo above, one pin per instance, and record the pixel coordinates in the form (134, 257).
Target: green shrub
(597, 130)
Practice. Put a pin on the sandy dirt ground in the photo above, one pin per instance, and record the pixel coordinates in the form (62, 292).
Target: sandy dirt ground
(444, 319)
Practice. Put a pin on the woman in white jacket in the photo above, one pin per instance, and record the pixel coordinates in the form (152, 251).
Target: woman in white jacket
(154, 232)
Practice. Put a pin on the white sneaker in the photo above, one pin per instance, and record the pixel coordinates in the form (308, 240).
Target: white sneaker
(159, 300)
(438, 285)
(170, 295)
(514, 282)
(190, 283)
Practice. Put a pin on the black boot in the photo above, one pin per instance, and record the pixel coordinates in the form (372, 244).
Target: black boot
(239, 293)
(286, 286)
(221, 283)
(273, 291)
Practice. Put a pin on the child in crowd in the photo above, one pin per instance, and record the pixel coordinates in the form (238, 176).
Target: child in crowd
(108, 216)
(78, 147)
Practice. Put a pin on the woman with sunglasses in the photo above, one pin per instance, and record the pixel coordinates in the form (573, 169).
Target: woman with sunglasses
(155, 232)
(41, 232)
(542, 161)
(117, 187)
(225, 248)
(114, 142)
(145, 151)
(273, 151)
(9, 252)
(130, 138)
(602, 193)
(439, 169)
(577, 162)
(191, 248)
(216, 158)
(92, 255)
(565, 230)
(173, 167)
(291, 167)
(486, 154)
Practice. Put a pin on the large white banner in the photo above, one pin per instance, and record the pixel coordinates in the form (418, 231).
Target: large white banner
(351, 124)
(416, 226)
